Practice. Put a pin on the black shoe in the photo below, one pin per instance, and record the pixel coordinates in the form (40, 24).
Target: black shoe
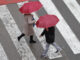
(57, 51)
(18, 38)
(44, 56)
(32, 41)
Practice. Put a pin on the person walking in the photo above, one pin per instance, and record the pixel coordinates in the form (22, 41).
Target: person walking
(28, 27)
(50, 39)
(27, 9)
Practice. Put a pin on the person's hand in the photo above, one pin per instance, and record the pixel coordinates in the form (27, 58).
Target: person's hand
(34, 21)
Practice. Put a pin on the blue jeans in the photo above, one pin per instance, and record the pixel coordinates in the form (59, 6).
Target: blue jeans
(47, 48)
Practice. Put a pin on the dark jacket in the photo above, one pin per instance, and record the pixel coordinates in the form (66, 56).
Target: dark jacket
(49, 35)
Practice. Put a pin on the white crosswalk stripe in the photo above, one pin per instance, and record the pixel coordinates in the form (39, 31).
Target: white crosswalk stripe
(3, 55)
(14, 31)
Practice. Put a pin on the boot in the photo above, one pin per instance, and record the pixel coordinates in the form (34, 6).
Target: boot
(19, 37)
(31, 39)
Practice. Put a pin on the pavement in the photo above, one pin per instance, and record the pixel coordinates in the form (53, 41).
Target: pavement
(67, 33)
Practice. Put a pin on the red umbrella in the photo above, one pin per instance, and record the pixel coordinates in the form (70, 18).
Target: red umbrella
(47, 21)
(30, 7)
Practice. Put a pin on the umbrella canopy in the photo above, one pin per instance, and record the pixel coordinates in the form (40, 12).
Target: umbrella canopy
(47, 21)
(3, 2)
(30, 7)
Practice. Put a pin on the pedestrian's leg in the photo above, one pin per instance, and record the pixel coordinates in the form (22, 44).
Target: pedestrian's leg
(21, 36)
(57, 47)
(31, 39)
(45, 51)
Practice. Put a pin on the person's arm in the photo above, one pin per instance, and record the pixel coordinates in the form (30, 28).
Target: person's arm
(43, 33)
(30, 21)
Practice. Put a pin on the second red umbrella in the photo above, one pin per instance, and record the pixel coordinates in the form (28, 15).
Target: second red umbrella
(47, 21)
(30, 7)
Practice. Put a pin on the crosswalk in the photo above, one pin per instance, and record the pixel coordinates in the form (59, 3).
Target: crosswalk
(65, 30)
(74, 8)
